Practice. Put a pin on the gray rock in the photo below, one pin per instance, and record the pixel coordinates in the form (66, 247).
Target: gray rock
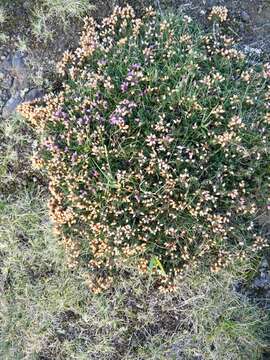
(262, 283)
(18, 62)
(11, 106)
(27, 4)
(19, 71)
(211, 3)
(245, 16)
(242, 27)
(34, 94)
(264, 264)
(19, 83)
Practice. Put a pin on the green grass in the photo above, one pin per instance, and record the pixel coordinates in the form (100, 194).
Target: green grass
(3, 19)
(3, 15)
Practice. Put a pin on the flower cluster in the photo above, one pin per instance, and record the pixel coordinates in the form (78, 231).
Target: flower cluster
(219, 13)
(156, 149)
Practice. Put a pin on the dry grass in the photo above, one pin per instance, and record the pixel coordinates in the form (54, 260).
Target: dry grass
(48, 15)
(47, 313)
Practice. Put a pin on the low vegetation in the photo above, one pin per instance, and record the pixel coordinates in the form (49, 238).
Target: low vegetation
(155, 149)
(3, 18)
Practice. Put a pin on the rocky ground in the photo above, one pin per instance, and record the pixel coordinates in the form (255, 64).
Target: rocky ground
(249, 20)
(258, 289)
(16, 85)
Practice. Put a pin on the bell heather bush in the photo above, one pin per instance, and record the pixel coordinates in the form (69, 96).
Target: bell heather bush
(155, 149)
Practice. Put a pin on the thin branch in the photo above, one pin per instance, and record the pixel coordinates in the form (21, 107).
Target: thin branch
(159, 6)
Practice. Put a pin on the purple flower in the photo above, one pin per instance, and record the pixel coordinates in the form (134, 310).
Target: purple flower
(59, 114)
(86, 119)
(124, 86)
(136, 66)
(102, 62)
(95, 173)
(80, 121)
(115, 120)
(74, 157)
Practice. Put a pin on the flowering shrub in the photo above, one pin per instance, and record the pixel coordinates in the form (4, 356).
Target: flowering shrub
(155, 148)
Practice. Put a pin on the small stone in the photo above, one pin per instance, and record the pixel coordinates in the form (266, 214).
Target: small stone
(245, 16)
(11, 106)
(2, 75)
(18, 64)
(26, 5)
(261, 283)
(211, 3)
(264, 264)
(242, 27)
(33, 94)
(252, 51)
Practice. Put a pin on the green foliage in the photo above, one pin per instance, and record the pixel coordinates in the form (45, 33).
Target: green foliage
(157, 147)
(3, 15)
(3, 19)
